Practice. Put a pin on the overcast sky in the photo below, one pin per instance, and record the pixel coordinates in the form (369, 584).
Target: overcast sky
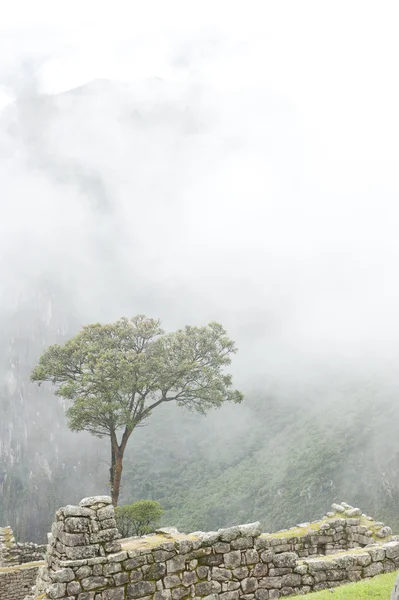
(294, 183)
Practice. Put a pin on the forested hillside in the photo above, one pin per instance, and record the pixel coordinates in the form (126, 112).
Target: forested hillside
(120, 219)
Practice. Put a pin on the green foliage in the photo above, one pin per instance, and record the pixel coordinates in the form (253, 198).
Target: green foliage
(139, 518)
(116, 374)
(379, 587)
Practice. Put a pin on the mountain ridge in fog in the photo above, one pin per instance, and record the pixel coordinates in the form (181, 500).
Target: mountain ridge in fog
(188, 204)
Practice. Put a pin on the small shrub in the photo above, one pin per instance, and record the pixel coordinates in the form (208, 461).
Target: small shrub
(139, 518)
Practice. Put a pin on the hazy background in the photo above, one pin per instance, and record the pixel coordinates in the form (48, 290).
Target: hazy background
(196, 162)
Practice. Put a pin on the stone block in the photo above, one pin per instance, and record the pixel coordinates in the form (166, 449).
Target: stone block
(373, 569)
(172, 581)
(114, 594)
(232, 559)
(140, 589)
(251, 556)
(249, 585)
(93, 500)
(73, 588)
(178, 593)
(175, 564)
(220, 574)
(94, 583)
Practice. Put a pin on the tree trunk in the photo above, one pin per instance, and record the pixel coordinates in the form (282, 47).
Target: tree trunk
(117, 452)
(117, 476)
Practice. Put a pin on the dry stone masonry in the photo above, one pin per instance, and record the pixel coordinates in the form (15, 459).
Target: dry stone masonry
(19, 565)
(86, 560)
(17, 581)
(16, 553)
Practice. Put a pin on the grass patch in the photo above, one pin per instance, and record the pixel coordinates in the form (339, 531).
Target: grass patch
(379, 587)
(154, 540)
(297, 532)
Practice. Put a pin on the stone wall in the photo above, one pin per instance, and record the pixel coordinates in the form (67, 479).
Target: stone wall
(87, 561)
(16, 582)
(18, 553)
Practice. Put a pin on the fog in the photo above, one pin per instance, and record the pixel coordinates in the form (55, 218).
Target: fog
(220, 166)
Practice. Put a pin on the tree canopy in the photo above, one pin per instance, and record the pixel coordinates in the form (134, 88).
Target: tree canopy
(116, 374)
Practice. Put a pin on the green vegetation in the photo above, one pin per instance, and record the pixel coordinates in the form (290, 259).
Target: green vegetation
(379, 588)
(139, 518)
(278, 458)
(115, 375)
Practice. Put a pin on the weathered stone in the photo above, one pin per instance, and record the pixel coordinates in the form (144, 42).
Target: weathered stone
(105, 535)
(205, 588)
(175, 564)
(110, 569)
(262, 594)
(112, 547)
(162, 555)
(77, 511)
(384, 532)
(286, 559)
(107, 512)
(121, 578)
(260, 570)
(142, 588)
(219, 574)
(162, 595)
(240, 573)
(136, 575)
(56, 590)
(92, 500)
(133, 563)
(81, 552)
(189, 578)
(117, 557)
(251, 556)
(73, 588)
(222, 547)
(301, 569)
(180, 592)
(86, 596)
(271, 582)
(353, 512)
(172, 581)
(277, 571)
(232, 559)
(241, 543)
(261, 543)
(77, 525)
(230, 595)
(391, 549)
(84, 571)
(155, 571)
(227, 535)
(389, 566)
(249, 585)
(108, 523)
(202, 571)
(184, 546)
(374, 569)
(63, 575)
(267, 556)
(93, 583)
(114, 594)
(73, 539)
(97, 569)
(250, 529)
(211, 560)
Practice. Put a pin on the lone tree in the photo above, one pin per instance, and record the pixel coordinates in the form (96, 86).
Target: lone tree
(115, 375)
